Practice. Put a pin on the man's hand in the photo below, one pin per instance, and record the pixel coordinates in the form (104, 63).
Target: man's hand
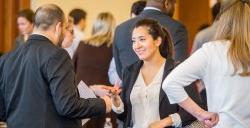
(104, 90)
(100, 90)
(108, 103)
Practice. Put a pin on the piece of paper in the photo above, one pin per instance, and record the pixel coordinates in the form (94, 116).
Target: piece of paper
(85, 92)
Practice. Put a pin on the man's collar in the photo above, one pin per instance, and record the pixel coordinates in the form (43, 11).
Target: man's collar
(152, 8)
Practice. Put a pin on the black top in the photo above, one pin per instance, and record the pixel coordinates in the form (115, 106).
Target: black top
(91, 63)
(37, 88)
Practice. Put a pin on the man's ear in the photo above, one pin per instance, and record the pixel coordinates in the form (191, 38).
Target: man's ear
(58, 28)
(166, 3)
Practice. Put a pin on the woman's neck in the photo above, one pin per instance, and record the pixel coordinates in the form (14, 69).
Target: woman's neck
(154, 62)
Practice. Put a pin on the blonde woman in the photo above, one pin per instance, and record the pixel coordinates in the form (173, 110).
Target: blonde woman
(93, 55)
(92, 58)
(224, 66)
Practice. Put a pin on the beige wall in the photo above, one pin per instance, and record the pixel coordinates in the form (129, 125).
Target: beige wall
(119, 8)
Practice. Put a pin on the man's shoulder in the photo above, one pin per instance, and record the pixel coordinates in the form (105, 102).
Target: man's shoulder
(205, 35)
(127, 24)
(162, 18)
(171, 24)
(45, 50)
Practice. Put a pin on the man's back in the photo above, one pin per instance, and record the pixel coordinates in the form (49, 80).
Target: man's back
(122, 49)
(37, 83)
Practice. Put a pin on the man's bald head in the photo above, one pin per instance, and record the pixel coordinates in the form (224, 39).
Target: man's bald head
(48, 15)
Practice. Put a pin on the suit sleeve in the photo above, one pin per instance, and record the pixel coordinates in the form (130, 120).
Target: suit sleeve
(64, 91)
(2, 108)
(123, 96)
(180, 39)
(116, 54)
(2, 104)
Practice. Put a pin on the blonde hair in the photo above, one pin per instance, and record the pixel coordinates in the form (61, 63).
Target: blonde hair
(102, 30)
(235, 26)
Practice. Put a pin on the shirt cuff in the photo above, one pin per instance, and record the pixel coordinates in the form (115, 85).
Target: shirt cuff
(119, 109)
(176, 120)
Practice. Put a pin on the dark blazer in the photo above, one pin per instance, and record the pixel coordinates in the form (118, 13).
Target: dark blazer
(38, 91)
(165, 108)
(122, 46)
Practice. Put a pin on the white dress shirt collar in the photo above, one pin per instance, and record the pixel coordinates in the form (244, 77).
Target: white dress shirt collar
(152, 8)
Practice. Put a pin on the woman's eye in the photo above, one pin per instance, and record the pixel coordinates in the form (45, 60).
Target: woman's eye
(133, 41)
(142, 40)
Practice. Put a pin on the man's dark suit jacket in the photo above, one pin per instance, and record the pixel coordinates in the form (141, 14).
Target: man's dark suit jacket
(165, 108)
(122, 46)
(37, 88)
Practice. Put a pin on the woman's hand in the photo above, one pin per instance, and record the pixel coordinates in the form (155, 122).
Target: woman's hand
(209, 119)
(104, 90)
(114, 93)
(166, 122)
(156, 124)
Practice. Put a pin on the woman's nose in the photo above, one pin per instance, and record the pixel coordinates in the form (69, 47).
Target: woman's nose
(136, 45)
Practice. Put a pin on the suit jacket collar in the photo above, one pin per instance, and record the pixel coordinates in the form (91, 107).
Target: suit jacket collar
(169, 65)
(152, 12)
(38, 38)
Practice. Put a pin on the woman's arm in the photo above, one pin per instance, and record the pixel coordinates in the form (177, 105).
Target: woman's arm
(117, 104)
(183, 75)
(210, 119)
(166, 122)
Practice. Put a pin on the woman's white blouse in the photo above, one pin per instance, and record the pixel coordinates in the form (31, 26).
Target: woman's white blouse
(227, 94)
(145, 100)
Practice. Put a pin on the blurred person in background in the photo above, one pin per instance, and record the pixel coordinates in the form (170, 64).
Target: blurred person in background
(25, 20)
(136, 8)
(92, 58)
(79, 23)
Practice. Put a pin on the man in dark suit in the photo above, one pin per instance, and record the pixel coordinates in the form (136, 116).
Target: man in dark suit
(160, 10)
(37, 88)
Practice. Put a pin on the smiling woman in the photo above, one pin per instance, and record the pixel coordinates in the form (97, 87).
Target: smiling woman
(142, 81)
